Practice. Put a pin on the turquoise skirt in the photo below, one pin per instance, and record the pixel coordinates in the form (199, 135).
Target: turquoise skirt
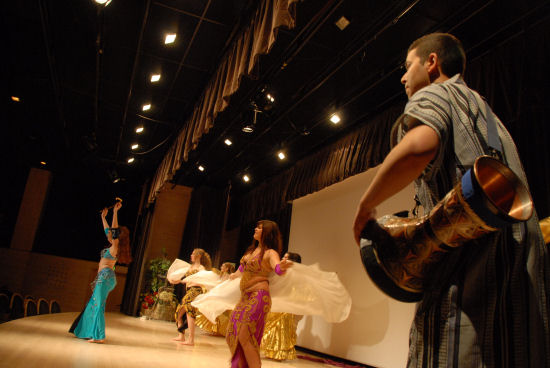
(91, 323)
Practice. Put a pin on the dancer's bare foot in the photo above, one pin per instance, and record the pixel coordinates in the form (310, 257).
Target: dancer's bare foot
(97, 341)
(188, 343)
(180, 337)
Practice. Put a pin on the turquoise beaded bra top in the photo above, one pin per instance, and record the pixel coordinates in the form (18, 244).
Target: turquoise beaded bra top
(106, 254)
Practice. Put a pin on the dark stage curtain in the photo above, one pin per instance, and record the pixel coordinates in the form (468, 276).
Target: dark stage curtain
(131, 291)
(205, 221)
(513, 77)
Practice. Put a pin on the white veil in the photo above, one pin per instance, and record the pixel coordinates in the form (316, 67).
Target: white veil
(302, 290)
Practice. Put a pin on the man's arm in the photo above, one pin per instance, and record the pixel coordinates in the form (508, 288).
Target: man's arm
(402, 165)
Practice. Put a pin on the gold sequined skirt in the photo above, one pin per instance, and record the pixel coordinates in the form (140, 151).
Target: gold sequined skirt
(189, 296)
(279, 336)
(219, 328)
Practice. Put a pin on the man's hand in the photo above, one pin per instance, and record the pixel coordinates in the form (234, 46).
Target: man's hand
(104, 212)
(362, 216)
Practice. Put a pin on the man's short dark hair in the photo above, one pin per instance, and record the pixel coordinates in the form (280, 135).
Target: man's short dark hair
(448, 48)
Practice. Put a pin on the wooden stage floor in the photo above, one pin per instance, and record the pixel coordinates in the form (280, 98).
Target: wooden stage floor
(43, 342)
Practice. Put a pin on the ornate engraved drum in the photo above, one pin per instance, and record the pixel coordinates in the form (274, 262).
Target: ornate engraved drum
(397, 252)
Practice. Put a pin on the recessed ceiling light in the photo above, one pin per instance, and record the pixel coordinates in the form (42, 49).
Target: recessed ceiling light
(146, 107)
(139, 129)
(135, 146)
(155, 78)
(130, 160)
(335, 118)
(169, 38)
(201, 168)
(342, 23)
(246, 178)
(15, 99)
(281, 155)
(228, 142)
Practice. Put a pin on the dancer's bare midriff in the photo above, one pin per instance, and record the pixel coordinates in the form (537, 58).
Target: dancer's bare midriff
(106, 263)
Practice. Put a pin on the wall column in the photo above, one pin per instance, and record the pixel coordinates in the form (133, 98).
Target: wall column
(31, 209)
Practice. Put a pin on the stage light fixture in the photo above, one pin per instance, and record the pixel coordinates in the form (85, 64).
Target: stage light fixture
(135, 146)
(146, 107)
(155, 78)
(335, 118)
(139, 130)
(249, 128)
(281, 155)
(15, 99)
(130, 160)
(169, 38)
(201, 168)
(263, 100)
(228, 142)
(43, 163)
(103, 2)
(246, 178)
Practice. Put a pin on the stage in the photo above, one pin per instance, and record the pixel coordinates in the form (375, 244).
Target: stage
(43, 341)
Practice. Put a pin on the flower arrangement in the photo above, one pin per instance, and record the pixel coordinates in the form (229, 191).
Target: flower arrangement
(148, 300)
(155, 278)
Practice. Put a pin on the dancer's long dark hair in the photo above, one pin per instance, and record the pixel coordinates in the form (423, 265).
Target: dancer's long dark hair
(124, 254)
(271, 239)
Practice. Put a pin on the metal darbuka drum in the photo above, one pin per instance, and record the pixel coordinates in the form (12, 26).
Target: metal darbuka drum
(398, 252)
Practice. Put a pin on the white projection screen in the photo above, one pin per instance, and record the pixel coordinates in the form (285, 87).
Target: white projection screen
(376, 332)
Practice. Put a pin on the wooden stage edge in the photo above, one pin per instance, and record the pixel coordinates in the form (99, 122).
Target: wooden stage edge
(44, 341)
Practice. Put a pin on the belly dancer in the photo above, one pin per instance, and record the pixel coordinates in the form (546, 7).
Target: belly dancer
(90, 324)
(246, 327)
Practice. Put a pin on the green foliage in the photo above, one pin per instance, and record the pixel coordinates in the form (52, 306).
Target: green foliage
(156, 272)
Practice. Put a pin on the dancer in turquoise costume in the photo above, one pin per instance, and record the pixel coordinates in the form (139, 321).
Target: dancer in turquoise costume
(90, 324)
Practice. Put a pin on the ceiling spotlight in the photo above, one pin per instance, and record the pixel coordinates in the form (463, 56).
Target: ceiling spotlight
(169, 38)
(135, 146)
(335, 118)
(43, 163)
(139, 130)
(263, 100)
(130, 160)
(116, 180)
(201, 168)
(155, 78)
(281, 155)
(228, 142)
(246, 178)
(15, 99)
(146, 107)
(103, 2)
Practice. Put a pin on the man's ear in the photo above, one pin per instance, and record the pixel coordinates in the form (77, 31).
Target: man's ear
(432, 65)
